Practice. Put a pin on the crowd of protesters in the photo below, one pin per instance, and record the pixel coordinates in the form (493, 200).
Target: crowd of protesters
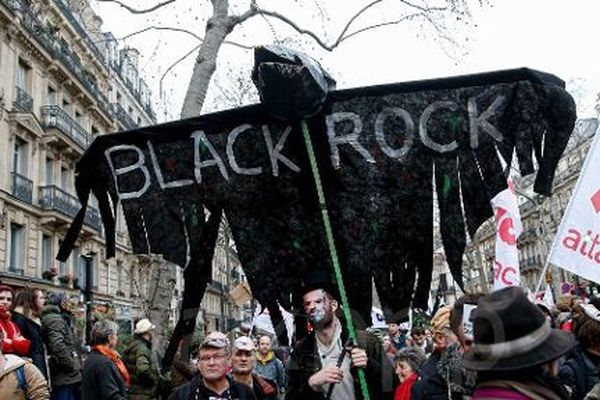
(507, 348)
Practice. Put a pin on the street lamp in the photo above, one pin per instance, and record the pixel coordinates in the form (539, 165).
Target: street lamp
(87, 294)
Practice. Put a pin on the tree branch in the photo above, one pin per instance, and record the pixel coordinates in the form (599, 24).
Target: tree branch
(162, 77)
(375, 26)
(160, 28)
(136, 11)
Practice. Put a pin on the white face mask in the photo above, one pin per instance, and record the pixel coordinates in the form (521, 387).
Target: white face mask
(317, 315)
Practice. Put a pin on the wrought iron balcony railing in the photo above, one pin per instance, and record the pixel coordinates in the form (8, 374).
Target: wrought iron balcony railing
(123, 117)
(56, 117)
(23, 101)
(22, 187)
(53, 198)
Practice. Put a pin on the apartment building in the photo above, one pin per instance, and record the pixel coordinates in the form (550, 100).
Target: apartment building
(62, 83)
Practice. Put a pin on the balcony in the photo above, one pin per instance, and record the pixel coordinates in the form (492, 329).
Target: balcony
(123, 117)
(23, 101)
(72, 18)
(53, 198)
(45, 36)
(54, 117)
(22, 187)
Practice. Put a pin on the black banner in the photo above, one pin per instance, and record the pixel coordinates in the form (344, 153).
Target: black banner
(380, 150)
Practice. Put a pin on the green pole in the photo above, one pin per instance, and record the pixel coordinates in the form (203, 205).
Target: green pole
(332, 250)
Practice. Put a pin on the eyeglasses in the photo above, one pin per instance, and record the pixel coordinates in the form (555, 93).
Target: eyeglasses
(216, 357)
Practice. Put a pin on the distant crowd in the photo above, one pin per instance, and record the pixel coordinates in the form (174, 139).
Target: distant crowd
(496, 346)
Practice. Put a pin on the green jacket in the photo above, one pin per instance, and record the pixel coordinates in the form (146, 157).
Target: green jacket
(64, 362)
(143, 368)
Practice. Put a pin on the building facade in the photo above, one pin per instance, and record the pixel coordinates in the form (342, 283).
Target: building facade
(62, 83)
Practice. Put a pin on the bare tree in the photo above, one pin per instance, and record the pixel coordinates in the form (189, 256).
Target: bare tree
(221, 23)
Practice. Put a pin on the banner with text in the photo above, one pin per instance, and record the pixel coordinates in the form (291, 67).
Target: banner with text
(576, 246)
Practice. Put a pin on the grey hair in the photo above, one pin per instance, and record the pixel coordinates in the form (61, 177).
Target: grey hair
(102, 330)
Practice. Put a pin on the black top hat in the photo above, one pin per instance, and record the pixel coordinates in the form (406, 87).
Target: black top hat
(511, 333)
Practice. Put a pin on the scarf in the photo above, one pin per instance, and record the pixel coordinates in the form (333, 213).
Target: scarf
(270, 355)
(114, 356)
(403, 391)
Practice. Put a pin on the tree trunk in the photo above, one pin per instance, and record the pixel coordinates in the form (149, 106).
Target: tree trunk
(217, 29)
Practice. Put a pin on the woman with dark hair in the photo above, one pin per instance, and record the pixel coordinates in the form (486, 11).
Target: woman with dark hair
(105, 376)
(26, 314)
(13, 342)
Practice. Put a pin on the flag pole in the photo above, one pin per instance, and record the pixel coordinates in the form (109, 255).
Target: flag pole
(332, 250)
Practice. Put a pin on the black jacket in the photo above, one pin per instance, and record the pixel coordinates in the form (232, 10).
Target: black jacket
(579, 373)
(33, 331)
(431, 385)
(195, 390)
(101, 379)
(305, 361)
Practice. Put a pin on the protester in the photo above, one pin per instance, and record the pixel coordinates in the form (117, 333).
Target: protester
(397, 335)
(214, 361)
(105, 376)
(515, 351)
(267, 365)
(435, 373)
(313, 368)
(580, 371)
(26, 314)
(13, 342)
(242, 364)
(19, 379)
(64, 362)
(419, 340)
(142, 363)
(389, 348)
(407, 364)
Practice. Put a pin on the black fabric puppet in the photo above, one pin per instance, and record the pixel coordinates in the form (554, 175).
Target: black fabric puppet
(379, 150)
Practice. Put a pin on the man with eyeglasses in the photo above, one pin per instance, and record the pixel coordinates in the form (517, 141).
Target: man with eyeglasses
(214, 362)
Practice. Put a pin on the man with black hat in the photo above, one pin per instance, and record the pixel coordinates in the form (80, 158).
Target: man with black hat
(515, 350)
(315, 367)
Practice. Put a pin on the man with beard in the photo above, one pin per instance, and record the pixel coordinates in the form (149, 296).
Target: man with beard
(314, 370)
(242, 366)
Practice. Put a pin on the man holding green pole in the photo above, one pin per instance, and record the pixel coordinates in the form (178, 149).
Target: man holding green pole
(325, 363)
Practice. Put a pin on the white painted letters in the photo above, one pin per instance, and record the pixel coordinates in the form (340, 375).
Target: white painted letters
(275, 153)
(427, 141)
(139, 164)
(200, 139)
(400, 153)
(351, 139)
(233, 135)
(159, 175)
(476, 121)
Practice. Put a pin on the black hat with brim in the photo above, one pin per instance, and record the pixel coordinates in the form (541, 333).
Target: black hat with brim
(512, 333)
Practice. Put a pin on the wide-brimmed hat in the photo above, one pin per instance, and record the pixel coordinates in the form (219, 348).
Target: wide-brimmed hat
(512, 333)
(143, 326)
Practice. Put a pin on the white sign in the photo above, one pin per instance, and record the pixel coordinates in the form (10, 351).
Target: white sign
(576, 246)
(467, 320)
(508, 229)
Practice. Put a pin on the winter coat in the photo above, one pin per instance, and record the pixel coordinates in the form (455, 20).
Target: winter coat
(101, 379)
(35, 386)
(195, 390)
(513, 390)
(13, 342)
(32, 330)
(64, 362)
(579, 373)
(305, 361)
(143, 368)
(444, 376)
(270, 367)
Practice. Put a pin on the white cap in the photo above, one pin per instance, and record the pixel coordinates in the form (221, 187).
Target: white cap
(143, 326)
(243, 343)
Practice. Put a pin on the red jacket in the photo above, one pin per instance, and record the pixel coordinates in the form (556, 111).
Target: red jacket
(13, 342)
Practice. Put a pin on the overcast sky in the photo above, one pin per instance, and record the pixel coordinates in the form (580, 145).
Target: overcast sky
(556, 36)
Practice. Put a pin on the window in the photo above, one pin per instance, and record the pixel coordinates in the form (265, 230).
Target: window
(76, 262)
(46, 252)
(20, 154)
(65, 179)
(79, 118)
(23, 75)
(51, 96)
(17, 249)
(66, 105)
(119, 278)
(49, 171)
(62, 267)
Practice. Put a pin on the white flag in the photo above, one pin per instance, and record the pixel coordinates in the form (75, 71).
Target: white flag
(508, 229)
(576, 246)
